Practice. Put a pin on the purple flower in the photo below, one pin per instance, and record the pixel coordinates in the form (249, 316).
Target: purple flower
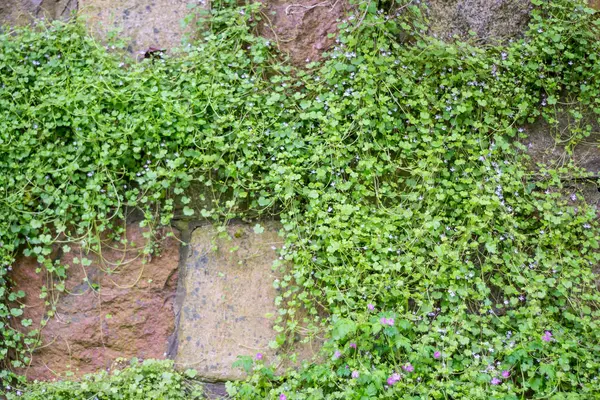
(505, 374)
(337, 355)
(393, 379)
(408, 367)
(437, 355)
(387, 321)
(371, 307)
(282, 397)
(259, 356)
(495, 381)
(547, 336)
(353, 345)
(355, 374)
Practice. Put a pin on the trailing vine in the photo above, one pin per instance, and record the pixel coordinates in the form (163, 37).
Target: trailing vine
(440, 260)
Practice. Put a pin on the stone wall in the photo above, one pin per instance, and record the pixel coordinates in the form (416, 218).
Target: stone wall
(202, 302)
(302, 29)
(221, 305)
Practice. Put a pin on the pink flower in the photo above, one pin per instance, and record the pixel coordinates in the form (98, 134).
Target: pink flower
(547, 336)
(505, 373)
(371, 307)
(437, 355)
(259, 356)
(337, 355)
(408, 367)
(387, 321)
(393, 379)
(353, 345)
(495, 381)
(282, 397)
(355, 374)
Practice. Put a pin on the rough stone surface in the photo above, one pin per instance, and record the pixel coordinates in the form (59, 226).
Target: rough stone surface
(546, 147)
(492, 20)
(131, 315)
(546, 144)
(22, 11)
(149, 23)
(214, 391)
(227, 295)
(301, 28)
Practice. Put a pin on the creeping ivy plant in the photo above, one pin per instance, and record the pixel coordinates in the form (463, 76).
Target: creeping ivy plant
(437, 259)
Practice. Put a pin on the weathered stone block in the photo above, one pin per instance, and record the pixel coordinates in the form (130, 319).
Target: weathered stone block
(149, 23)
(301, 28)
(547, 147)
(13, 12)
(227, 299)
(102, 315)
(547, 144)
(492, 21)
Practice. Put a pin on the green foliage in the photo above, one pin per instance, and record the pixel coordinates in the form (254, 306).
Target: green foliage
(398, 168)
(149, 379)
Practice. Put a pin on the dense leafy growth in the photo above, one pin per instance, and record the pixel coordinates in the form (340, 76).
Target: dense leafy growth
(420, 238)
(150, 379)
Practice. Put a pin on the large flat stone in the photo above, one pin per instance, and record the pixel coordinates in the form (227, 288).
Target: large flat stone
(227, 300)
(302, 28)
(492, 21)
(17, 12)
(148, 23)
(117, 307)
(547, 148)
(546, 144)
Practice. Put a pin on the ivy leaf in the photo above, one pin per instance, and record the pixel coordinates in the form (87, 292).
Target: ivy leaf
(188, 212)
(313, 194)
(191, 373)
(548, 370)
(342, 328)
(16, 312)
(244, 362)
(263, 202)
